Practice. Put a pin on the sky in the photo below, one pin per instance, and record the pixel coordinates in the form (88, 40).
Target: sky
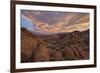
(48, 22)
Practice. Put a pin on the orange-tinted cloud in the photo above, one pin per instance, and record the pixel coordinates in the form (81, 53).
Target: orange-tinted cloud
(68, 22)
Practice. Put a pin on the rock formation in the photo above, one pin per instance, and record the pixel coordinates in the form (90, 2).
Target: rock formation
(55, 47)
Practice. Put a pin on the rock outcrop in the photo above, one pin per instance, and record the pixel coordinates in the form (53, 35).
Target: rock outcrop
(28, 45)
(56, 47)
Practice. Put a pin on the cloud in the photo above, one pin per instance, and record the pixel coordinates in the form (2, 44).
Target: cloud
(62, 21)
(80, 27)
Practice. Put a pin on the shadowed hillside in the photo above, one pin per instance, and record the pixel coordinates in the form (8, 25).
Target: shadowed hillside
(56, 47)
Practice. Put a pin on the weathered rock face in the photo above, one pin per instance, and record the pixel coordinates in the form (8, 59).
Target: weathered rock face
(56, 55)
(42, 53)
(58, 47)
(74, 52)
(69, 54)
(28, 45)
(76, 47)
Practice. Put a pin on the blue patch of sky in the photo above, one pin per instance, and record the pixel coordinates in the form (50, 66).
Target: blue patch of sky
(30, 26)
(27, 24)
